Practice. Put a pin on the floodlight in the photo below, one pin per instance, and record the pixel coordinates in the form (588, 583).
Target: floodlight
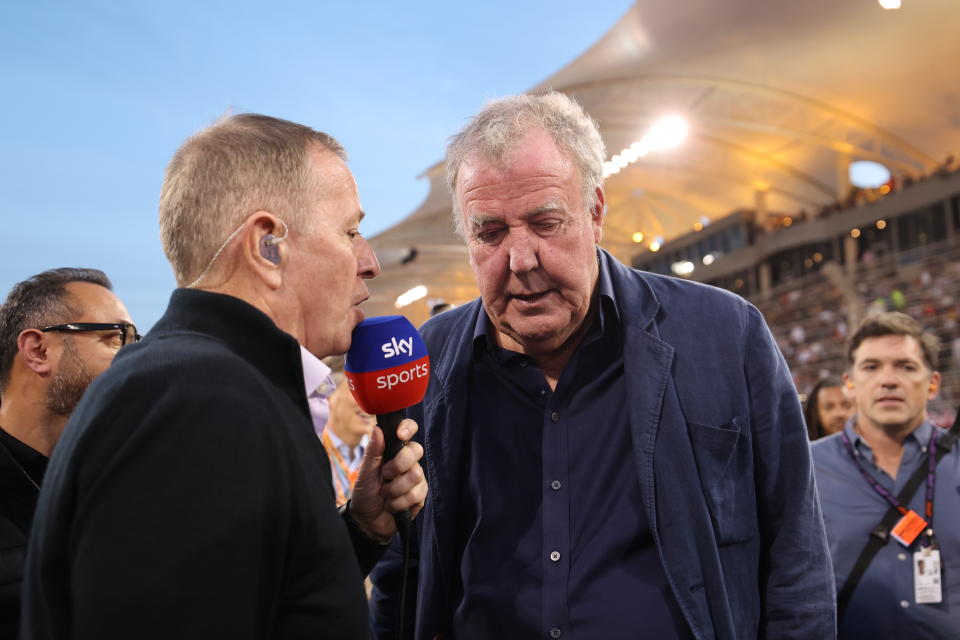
(666, 133)
(412, 295)
(867, 174)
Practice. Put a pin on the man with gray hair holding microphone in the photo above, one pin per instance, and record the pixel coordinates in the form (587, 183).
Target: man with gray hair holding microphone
(190, 496)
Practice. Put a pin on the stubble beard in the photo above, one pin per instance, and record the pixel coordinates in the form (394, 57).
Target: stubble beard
(69, 383)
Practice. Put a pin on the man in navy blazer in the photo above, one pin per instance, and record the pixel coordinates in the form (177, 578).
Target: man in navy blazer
(610, 453)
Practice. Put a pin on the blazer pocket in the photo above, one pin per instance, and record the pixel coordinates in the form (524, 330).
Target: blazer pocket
(726, 475)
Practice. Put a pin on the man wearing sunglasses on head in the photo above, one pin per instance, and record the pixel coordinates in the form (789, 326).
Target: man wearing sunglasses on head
(58, 331)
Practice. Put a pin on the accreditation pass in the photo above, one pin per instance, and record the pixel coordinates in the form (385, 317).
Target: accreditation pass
(926, 576)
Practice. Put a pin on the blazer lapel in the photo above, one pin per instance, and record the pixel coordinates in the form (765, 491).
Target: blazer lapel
(647, 361)
(657, 423)
(647, 370)
(445, 417)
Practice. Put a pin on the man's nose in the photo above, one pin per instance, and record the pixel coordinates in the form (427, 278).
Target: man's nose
(367, 264)
(523, 253)
(889, 377)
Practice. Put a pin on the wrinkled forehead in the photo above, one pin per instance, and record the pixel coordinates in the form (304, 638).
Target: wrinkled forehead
(533, 154)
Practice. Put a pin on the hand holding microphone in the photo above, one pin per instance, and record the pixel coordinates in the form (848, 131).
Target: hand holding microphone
(388, 370)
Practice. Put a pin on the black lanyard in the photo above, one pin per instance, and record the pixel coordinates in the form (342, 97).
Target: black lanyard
(889, 497)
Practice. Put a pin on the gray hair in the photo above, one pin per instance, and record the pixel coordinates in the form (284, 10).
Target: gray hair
(218, 177)
(501, 123)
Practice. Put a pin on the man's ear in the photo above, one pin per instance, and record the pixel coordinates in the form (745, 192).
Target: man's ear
(33, 350)
(597, 213)
(934, 388)
(263, 243)
(848, 383)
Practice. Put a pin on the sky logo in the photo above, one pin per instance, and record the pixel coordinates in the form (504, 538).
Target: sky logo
(397, 347)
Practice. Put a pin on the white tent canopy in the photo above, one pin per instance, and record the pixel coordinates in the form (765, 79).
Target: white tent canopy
(780, 97)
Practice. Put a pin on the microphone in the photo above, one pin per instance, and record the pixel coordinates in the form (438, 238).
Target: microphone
(387, 370)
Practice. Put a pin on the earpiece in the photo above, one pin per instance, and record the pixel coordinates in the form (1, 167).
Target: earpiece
(269, 249)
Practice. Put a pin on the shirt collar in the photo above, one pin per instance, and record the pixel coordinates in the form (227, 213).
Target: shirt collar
(609, 310)
(315, 374)
(342, 447)
(921, 434)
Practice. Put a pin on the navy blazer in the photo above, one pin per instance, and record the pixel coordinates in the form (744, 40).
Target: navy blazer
(721, 451)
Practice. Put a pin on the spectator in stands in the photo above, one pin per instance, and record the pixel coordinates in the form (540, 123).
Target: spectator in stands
(864, 468)
(345, 439)
(58, 331)
(828, 408)
(615, 452)
(946, 167)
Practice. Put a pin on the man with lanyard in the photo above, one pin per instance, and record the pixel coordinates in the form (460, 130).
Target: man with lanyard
(908, 586)
(345, 438)
(343, 428)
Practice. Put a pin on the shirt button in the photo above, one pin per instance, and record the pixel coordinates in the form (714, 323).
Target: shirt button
(524, 362)
(904, 604)
(555, 485)
(543, 392)
(901, 556)
(555, 416)
(555, 633)
(555, 556)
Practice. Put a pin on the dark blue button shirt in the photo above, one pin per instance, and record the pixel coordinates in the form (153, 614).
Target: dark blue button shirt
(883, 605)
(555, 541)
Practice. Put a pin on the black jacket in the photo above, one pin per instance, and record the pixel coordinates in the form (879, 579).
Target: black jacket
(18, 499)
(190, 498)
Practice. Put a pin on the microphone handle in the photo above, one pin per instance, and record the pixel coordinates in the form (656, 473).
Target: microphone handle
(388, 424)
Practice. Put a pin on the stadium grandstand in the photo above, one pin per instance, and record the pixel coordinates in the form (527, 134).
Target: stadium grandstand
(800, 154)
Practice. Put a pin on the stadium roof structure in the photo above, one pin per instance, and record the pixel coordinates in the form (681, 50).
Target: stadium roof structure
(780, 96)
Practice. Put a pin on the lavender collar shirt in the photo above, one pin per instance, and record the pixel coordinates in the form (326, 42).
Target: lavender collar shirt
(319, 386)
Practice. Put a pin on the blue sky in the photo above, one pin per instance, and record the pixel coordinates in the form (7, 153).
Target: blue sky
(98, 95)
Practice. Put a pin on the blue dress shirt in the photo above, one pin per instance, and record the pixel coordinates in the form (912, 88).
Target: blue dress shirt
(883, 606)
(555, 540)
